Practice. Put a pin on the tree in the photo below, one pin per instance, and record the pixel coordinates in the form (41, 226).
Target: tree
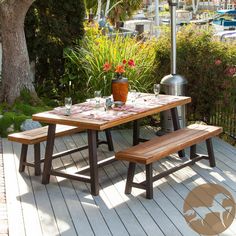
(16, 74)
(195, 5)
(123, 10)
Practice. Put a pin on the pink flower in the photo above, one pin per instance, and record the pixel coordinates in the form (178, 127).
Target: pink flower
(231, 71)
(218, 62)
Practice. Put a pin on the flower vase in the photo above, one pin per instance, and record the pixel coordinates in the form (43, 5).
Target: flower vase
(120, 89)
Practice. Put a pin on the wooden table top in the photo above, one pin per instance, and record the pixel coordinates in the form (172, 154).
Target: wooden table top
(87, 116)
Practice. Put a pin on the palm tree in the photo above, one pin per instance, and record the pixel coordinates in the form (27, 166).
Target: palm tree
(124, 9)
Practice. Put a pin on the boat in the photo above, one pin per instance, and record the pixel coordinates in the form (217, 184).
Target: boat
(223, 23)
(183, 17)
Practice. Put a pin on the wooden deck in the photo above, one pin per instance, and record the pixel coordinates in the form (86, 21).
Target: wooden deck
(65, 207)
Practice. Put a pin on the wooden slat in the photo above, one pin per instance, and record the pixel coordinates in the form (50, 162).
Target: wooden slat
(40, 134)
(160, 147)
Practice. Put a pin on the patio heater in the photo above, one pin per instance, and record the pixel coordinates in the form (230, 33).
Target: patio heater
(173, 84)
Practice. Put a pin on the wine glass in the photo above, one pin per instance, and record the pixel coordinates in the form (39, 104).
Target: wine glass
(133, 94)
(68, 104)
(156, 90)
(97, 96)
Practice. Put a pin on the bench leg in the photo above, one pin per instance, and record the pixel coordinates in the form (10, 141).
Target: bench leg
(193, 151)
(109, 140)
(130, 177)
(23, 155)
(37, 167)
(210, 153)
(149, 182)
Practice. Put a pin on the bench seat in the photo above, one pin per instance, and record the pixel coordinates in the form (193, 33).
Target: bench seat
(159, 147)
(38, 135)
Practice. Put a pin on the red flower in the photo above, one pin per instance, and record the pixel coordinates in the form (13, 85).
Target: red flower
(120, 69)
(107, 66)
(131, 63)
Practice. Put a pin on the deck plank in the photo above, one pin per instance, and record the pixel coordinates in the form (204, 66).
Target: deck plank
(14, 210)
(153, 208)
(92, 210)
(170, 208)
(66, 207)
(125, 214)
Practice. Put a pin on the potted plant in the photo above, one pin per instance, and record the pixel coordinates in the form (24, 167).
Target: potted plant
(119, 85)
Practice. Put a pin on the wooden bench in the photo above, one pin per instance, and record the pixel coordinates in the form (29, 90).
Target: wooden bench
(36, 136)
(159, 147)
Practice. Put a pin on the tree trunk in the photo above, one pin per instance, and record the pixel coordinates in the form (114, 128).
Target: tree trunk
(16, 74)
(107, 8)
(99, 10)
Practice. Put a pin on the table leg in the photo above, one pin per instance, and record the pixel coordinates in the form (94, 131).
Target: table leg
(48, 154)
(136, 132)
(176, 124)
(92, 147)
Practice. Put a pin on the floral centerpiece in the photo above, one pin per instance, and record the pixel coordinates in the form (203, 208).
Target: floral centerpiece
(119, 84)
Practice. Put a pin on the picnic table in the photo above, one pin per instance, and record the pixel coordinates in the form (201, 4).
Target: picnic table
(87, 116)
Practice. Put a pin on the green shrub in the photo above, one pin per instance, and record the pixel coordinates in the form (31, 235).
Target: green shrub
(85, 63)
(205, 63)
(13, 116)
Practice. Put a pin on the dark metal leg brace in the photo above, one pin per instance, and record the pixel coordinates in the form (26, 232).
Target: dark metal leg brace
(210, 152)
(23, 155)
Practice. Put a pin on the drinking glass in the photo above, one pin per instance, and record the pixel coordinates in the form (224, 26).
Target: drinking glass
(156, 89)
(97, 96)
(133, 94)
(68, 104)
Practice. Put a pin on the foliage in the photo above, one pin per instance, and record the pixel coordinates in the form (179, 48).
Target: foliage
(206, 65)
(120, 12)
(51, 26)
(13, 116)
(123, 10)
(86, 62)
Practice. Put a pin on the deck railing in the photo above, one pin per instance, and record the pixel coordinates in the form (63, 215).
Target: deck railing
(225, 116)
